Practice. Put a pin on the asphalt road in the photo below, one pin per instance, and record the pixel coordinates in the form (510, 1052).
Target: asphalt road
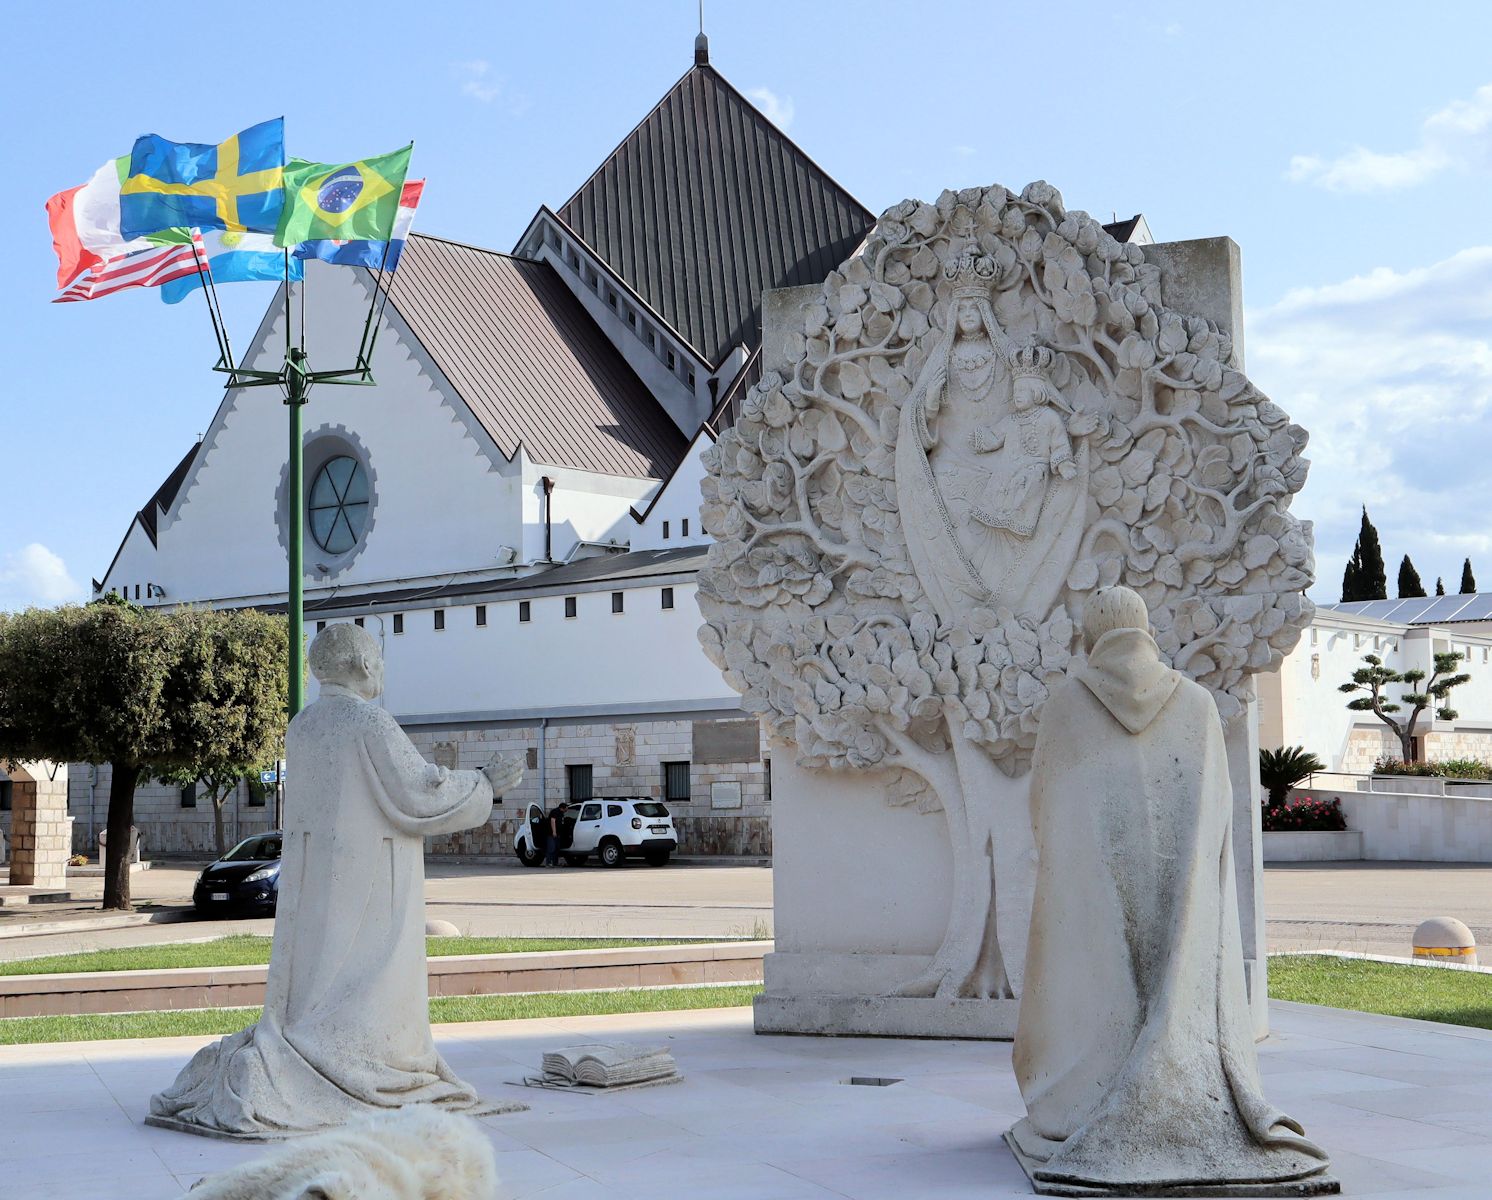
(1364, 907)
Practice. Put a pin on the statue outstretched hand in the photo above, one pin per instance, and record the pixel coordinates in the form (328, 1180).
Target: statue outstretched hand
(504, 772)
(1082, 423)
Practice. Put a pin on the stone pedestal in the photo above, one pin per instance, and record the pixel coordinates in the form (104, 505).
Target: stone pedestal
(40, 830)
(861, 895)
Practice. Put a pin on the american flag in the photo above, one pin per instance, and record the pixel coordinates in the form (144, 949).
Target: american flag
(144, 268)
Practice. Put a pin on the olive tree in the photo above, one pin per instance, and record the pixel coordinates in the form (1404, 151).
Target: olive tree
(820, 606)
(143, 690)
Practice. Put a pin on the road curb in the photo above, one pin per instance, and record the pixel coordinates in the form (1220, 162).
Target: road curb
(166, 916)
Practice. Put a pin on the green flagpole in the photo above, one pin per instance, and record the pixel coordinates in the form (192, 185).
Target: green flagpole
(295, 400)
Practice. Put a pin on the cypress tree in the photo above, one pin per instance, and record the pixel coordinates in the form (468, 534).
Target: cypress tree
(1439, 586)
(1373, 581)
(1351, 577)
(1468, 580)
(1409, 581)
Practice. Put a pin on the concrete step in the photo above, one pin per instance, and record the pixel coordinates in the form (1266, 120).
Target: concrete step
(19, 895)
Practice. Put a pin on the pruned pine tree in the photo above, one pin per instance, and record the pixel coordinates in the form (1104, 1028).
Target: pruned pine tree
(1375, 677)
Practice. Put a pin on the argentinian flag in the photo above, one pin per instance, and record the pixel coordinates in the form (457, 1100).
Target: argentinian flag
(236, 258)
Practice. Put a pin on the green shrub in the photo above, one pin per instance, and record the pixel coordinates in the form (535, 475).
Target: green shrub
(1305, 816)
(1450, 768)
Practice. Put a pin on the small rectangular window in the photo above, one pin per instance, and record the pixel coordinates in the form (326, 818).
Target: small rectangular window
(525, 612)
(398, 622)
(569, 606)
(320, 625)
(651, 339)
(668, 597)
(137, 591)
(616, 602)
(578, 778)
(632, 318)
(665, 531)
(676, 782)
(481, 614)
(672, 362)
(691, 378)
(189, 796)
(258, 792)
(684, 527)
(358, 621)
(440, 619)
(5, 795)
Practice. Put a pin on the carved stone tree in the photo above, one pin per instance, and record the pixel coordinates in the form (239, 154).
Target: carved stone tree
(988, 414)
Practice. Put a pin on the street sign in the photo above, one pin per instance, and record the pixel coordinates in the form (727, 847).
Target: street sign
(270, 776)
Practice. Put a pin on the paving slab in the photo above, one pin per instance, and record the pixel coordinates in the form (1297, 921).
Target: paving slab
(1402, 1106)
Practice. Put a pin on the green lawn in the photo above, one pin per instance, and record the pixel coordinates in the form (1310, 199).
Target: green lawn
(16, 1031)
(1424, 993)
(243, 950)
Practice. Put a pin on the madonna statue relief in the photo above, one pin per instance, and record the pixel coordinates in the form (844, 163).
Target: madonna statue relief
(991, 464)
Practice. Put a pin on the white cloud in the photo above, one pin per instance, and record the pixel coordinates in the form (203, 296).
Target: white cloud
(477, 80)
(33, 575)
(1391, 372)
(777, 109)
(1454, 136)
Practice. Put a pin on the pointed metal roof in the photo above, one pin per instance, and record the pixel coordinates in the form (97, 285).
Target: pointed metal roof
(705, 205)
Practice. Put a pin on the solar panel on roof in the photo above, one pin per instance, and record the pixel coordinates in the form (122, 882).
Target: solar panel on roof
(1440, 608)
(1479, 608)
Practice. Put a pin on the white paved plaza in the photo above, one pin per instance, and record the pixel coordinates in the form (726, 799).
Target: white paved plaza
(1404, 1107)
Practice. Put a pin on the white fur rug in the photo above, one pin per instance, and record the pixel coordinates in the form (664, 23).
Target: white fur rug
(414, 1153)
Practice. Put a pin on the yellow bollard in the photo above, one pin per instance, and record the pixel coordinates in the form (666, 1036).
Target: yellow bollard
(1445, 940)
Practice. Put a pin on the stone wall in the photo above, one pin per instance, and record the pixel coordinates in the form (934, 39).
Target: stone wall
(1459, 743)
(166, 826)
(1365, 746)
(626, 759)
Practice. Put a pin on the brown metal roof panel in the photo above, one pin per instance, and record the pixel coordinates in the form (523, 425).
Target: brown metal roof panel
(521, 351)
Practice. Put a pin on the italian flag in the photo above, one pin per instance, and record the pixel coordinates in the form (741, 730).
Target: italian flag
(85, 224)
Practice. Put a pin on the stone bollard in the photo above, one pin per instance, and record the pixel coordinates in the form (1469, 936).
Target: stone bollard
(1445, 940)
(435, 928)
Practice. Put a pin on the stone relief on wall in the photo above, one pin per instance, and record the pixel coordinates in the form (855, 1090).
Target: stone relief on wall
(989, 414)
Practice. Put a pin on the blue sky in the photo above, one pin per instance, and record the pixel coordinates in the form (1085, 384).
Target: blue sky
(1347, 148)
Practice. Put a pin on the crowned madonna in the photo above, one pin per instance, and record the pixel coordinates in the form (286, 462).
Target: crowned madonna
(991, 463)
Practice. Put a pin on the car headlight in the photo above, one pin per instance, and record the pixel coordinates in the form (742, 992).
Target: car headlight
(262, 873)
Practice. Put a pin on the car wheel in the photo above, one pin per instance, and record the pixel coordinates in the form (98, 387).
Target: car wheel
(657, 858)
(611, 854)
(576, 860)
(528, 855)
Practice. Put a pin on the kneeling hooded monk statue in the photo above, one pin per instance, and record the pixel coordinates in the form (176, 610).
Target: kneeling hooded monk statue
(1134, 1050)
(346, 1026)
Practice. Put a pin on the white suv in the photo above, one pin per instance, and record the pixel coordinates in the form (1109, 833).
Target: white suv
(613, 828)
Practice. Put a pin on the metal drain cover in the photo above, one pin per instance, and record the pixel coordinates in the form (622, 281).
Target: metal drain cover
(871, 1080)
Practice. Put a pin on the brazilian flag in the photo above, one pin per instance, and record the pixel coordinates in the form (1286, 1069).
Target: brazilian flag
(344, 202)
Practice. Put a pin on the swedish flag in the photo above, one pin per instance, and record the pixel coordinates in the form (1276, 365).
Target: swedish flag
(236, 186)
(345, 202)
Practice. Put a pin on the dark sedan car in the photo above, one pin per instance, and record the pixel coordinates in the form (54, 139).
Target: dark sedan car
(245, 880)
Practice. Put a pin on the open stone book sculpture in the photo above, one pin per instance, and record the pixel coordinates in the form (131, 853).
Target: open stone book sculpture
(1134, 1052)
(346, 1027)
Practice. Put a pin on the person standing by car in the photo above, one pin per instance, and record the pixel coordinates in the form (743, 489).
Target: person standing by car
(552, 828)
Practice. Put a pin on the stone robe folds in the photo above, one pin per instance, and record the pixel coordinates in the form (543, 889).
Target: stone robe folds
(346, 1027)
(1134, 1051)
